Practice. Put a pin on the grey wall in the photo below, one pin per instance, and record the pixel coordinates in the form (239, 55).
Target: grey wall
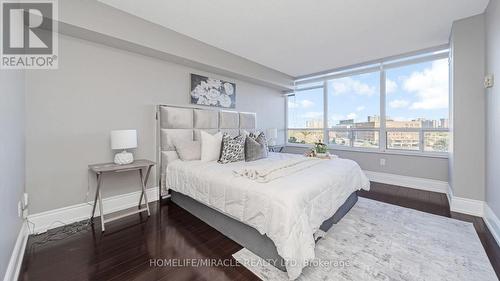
(11, 159)
(411, 166)
(70, 112)
(467, 156)
(493, 107)
(96, 21)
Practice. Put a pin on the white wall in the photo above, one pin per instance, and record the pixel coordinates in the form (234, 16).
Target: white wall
(493, 107)
(70, 112)
(11, 159)
(467, 155)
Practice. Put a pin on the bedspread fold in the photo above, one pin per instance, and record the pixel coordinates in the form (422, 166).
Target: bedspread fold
(268, 171)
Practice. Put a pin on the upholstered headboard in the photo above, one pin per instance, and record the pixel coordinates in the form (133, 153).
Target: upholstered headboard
(185, 123)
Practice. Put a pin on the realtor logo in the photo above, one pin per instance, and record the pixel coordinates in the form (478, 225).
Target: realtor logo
(29, 34)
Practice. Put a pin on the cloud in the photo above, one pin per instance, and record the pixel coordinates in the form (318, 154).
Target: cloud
(349, 85)
(306, 103)
(312, 114)
(399, 103)
(390, 86)
(360, 108)
(352, 115)
(430, 86)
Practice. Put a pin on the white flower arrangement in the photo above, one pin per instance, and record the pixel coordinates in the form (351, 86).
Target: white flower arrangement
(213, 92)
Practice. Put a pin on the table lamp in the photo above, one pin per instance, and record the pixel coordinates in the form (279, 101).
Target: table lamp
(123, 139)
(272, 135)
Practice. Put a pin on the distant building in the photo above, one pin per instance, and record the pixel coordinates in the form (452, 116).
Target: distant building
(371, 138)
(443, 123)
(314, 124)
(374, 118)
(347, 123)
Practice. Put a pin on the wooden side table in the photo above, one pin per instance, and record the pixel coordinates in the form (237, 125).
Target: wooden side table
(101, 169)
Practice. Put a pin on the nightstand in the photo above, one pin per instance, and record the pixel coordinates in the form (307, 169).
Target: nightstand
(276, 148)
(107, 168)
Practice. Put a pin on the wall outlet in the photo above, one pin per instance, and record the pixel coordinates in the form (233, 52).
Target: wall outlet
(489, 81)
(382, 161)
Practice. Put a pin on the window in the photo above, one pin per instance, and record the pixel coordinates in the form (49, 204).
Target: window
(354, 110)
(417, 106)
(305, 115)
(398, 105)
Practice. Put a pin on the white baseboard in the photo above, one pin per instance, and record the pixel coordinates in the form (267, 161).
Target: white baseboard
(449, 195)
(58, 217)
(16, 259)
(411, 182)
(465, 205)
(492, 222)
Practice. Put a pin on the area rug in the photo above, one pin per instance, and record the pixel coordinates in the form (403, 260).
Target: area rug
(379, 241)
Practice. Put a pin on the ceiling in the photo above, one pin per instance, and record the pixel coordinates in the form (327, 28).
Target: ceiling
(300, 37)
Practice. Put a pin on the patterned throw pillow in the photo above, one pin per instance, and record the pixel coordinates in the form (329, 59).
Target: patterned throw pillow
(259, 137)
(233, 149)
(255, 147)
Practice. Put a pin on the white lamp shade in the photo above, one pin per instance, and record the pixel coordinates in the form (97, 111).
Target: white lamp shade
(272, 133)
(123, 139)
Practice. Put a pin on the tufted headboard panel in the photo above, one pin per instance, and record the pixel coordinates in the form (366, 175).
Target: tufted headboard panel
(185, 123)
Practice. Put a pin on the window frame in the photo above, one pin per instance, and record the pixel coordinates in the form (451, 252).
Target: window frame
(380, 66)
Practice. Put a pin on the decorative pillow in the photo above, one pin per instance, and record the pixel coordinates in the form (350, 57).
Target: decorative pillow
(210, 146)
(255, 149)
(233, 149)
(261, 138)
(188, 150)
(253, 134)
(256, 134)
(244, 133)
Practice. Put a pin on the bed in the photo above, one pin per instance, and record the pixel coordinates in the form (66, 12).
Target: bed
(278, 220)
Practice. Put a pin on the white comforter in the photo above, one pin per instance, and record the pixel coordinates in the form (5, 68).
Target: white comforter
(275, 168)
(289, 209)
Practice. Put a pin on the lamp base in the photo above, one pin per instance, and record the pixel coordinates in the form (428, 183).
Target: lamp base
(123, 158)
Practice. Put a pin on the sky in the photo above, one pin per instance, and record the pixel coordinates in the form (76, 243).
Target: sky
(413, 91)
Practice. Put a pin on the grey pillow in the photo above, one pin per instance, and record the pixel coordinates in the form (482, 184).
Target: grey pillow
(188, 150)
(233, 149)
(256, 148)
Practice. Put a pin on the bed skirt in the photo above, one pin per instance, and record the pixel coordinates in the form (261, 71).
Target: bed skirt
(246, 235)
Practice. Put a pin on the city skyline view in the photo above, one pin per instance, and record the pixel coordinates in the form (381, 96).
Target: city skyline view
(416, 97)
(418, 91)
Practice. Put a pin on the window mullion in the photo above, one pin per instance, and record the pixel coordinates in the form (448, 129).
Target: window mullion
(286, 119)
(382, 134)
(325, 113)
(421, 139)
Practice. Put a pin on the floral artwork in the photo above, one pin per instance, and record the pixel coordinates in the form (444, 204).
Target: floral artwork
(212, 92)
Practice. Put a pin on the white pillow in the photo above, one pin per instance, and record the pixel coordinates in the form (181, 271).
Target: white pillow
(188, 150)
(210, 146)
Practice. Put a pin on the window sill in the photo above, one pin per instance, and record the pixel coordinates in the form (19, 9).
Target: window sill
(376, 151)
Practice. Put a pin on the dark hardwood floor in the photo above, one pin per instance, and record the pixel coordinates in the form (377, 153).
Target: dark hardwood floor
(130, 247)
